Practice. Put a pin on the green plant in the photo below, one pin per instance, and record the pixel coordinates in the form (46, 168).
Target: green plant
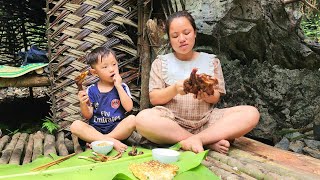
(49, 125)
(12, 132)
(311, 27)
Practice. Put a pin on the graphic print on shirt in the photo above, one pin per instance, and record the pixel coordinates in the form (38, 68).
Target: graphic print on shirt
(107, 106)
(115, 103)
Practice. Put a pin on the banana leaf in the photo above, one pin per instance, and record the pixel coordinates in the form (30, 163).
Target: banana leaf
(190, 167)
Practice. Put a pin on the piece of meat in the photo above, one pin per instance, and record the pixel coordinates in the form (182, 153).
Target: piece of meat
(197, 82)
(80, 78)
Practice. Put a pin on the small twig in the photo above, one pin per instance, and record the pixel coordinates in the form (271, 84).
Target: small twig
(45, 166)
(87, 158)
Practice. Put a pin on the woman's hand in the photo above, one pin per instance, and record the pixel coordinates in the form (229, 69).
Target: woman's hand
(83, 97)
(179, 87)
(201, 95)
(212, 99)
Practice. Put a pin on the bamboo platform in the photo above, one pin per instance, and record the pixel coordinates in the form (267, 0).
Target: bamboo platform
(247, 159)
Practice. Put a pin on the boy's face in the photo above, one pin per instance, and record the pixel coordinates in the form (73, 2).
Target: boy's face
(106, 68)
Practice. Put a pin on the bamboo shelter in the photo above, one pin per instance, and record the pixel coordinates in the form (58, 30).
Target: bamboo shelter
(22, 24)
(76, 27)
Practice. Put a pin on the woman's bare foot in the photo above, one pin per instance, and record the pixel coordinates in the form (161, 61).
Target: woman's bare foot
(221, 146)
(192, 144)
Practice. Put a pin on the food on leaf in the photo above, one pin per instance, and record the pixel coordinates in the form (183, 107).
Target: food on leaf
(152, 170)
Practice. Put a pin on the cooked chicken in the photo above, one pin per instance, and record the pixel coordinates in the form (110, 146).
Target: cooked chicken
(197, 82)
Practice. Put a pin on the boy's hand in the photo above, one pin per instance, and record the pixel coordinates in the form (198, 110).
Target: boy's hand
(83, 97)
(117, 80)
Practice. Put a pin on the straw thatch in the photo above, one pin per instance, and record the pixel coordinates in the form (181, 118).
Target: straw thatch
(76, 28)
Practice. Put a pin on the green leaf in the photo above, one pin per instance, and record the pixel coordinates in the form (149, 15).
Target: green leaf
(75, 168)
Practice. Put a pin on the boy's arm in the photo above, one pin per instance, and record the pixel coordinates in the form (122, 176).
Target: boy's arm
(85, 106)
(125, 99)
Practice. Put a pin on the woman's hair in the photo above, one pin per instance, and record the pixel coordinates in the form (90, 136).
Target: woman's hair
(178, 14)
(97, 54)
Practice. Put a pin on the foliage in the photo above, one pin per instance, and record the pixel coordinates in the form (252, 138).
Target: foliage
(12, 132)
(49, 125)
(310, 24)
(311, 27)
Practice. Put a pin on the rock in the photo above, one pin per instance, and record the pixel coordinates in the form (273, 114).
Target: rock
(278, 94)
(294, 135)
(296, 146)
(283, 144)
(312, 152)
(313, 144)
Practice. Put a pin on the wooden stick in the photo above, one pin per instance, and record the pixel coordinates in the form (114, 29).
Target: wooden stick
(17, 152)
(37, 145)
(25, 81)
(76, 145)
(49, 145)
(45, 166)
(9, 149)
(3, 142)
(28, 153)
(62, 149)
(69, 145)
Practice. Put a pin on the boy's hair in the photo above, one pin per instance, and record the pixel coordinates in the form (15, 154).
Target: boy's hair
(97, 54)
(178, 14)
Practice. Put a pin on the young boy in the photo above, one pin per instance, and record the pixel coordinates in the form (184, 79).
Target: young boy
(105, 103)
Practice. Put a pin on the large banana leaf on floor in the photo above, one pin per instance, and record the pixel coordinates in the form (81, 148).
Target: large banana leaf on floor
(190, 167)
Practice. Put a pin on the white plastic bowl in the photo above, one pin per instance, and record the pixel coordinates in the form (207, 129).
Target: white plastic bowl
(165, 155)
(102, 147)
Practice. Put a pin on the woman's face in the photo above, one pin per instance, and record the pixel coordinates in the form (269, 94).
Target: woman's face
(182, 35)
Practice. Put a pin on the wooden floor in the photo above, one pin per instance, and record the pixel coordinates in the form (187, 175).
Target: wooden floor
(247, 159)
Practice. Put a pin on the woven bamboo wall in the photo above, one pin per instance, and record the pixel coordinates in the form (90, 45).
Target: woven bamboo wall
(76, 28)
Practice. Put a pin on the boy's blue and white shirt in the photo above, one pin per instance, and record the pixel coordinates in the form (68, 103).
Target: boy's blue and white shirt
(107, 108)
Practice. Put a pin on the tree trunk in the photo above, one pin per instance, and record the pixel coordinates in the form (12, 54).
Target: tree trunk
(144, 55)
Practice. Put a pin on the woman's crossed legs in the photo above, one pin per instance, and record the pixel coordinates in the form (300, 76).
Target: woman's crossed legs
(235, 122)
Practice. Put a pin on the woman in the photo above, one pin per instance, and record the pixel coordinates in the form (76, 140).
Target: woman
(187, 118)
